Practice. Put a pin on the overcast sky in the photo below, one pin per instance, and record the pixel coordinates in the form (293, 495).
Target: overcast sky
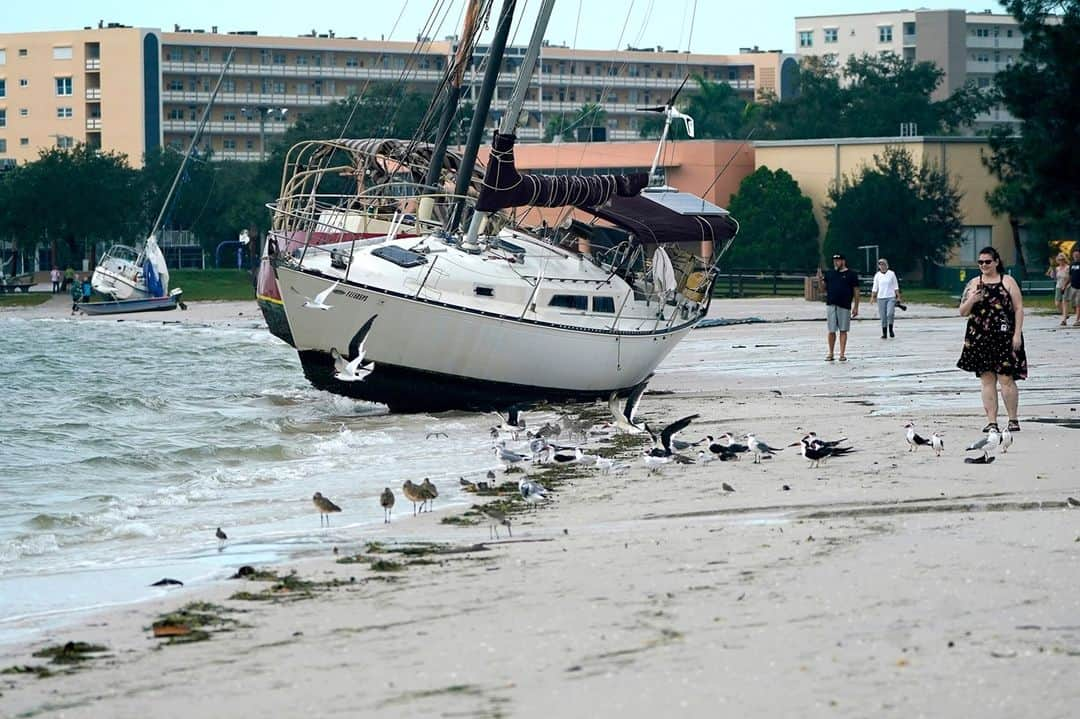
(718, 27)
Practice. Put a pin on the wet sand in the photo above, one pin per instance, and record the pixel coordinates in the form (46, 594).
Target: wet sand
(884, 583)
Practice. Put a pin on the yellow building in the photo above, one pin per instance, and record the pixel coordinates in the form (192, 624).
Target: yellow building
(133, 89)
(818, 164)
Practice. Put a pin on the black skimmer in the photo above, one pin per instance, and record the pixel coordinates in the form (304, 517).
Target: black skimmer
(325, 507)
(664, 453)
(624, 418)
(816, 452)
(914, 440)
(353, 368)
(728, 440)
(386, 500)
(723, 452)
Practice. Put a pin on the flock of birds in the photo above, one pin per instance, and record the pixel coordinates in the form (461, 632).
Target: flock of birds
(538, 447)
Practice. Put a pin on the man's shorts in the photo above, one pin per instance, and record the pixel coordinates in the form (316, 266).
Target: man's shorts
(1072, 296)
(839, 318)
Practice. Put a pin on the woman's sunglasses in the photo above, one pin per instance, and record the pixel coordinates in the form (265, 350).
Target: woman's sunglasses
(986, 262)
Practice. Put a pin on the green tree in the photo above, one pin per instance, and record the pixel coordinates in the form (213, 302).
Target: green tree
(871, 96)
(912, 213)
(777, 228)
(1039, 184)
(565, 127)
(718, 110)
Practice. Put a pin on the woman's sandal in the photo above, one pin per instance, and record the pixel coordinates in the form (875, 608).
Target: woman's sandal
(828, 358)
(843, 358)
(1014, 425)
(990, 426)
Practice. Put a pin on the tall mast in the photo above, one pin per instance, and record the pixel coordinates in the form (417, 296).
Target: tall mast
(517, 99)
(453, 92)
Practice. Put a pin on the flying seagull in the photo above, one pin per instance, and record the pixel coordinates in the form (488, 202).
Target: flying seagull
(319, 303)
(353, 368)
(624, 418)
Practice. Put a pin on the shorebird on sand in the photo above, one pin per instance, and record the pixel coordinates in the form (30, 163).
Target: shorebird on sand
(221, 537)
(760, 448)
(937, 443)
(430, 492)
(325, 507)
(532, 491)
(497, 517)
(386, 499)
(414, 494)
(913, 438)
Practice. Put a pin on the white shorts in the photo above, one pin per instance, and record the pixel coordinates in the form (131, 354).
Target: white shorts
(839, 318)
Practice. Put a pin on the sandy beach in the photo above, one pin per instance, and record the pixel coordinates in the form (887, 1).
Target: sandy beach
(885, 583)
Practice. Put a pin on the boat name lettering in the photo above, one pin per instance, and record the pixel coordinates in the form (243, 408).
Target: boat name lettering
(356, 295)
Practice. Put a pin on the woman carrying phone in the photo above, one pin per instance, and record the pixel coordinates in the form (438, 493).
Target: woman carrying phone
(994, 342)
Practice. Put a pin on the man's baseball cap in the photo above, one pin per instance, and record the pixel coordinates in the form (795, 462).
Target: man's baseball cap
(839, 256)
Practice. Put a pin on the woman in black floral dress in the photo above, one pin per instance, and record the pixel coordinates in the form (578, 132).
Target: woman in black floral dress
(994, 342)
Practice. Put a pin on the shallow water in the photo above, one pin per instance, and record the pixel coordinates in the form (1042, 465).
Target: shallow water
(123, 445)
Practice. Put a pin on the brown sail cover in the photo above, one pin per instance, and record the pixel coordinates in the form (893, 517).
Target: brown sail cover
(653, 221)
(505, 187)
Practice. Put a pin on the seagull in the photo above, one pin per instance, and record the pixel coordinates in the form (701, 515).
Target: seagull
(624, 418)
(319, 303)
(221, 536)
(937, 443)
(512, 424)
(353, 368)
(913, 438)
(497, 517)
(816, 452)
(1006, 440)
(414, 494)
(507, 457)
(532, 491)
(325, 507)
(436, 435)
(429, 491)
(386, 499)
(759, 448)
(986, 445)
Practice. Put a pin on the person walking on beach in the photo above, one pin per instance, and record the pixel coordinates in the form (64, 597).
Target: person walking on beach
(1059, 272)
(69, 277)
(1072, 292)
(87, 288)
(56, 277)
(886, 292)
(841, 303)
(994, 340)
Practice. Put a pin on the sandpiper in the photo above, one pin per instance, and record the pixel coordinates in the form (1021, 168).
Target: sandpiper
(386, 499)
(430, 492)
(325, 507)
(414, 494)
(497, 517)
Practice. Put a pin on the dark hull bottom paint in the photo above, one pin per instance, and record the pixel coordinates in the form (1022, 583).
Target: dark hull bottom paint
(276, 322)
(407, 390)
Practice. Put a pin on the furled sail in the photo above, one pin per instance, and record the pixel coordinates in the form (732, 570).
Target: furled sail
(505, 187)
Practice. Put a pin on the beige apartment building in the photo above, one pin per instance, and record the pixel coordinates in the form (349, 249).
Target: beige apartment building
(817, 164)
(131, 89)
(967, 46)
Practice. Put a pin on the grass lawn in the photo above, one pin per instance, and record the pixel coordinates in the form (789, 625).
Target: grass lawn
(24, 299)
(945, 298)
(213, 284)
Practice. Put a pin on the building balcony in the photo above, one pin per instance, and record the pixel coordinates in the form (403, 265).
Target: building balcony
(996, 43)
(93, 93)
(315, 72)
(990, 67)
(93, 64)
(93, 123)
(225, 127)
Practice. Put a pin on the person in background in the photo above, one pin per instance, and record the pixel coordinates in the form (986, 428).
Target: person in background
(886, 292)
(87, 288)
(1059, 272)
(56, 277)
(1072, 292)
(841, 303)
(69, 278)
(994, 340)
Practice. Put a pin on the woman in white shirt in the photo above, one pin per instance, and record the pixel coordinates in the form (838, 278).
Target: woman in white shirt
(886, 291)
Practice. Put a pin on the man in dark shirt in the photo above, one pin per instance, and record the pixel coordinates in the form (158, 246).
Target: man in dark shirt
(841, 303)
(1072, 292)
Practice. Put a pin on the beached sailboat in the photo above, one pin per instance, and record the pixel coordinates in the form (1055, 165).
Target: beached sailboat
(499, 314)
(137, 280)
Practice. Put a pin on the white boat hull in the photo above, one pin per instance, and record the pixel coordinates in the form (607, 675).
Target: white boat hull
(452, 344)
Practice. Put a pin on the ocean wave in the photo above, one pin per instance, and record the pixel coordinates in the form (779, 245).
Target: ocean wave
(28, 545)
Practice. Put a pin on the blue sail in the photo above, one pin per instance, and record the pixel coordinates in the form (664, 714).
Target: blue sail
(153, 281)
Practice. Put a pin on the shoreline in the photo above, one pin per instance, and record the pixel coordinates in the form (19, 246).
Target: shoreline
(884, 580)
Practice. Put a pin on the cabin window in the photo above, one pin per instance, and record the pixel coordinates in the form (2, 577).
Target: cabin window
(570, 302)
(482, 291)
(399, 256)
(603, 304)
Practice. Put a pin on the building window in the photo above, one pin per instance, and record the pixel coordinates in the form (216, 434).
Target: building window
(176, 85)
(352, 61)
(176, 113)
(228, 85)
(984, 82)
(884, 33)
(24, 112)
(24, 141)
(1008, 33)
(65, 142)
(23, 82)
(806, 38)
(980, 32)
(64, 112)
(972, 239)
(3, 55)
(301, 59)
(3, 88)
(279, 87)
(302, 88)
(909, 29)
(982, 57)
(176, 54)
(63, 86)
(279, 58)
(228, 144)
(830, 34)
(3, 145)
(23, 52)
(228, 116)
(61, 53)
(249, 144)
(3, 118)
